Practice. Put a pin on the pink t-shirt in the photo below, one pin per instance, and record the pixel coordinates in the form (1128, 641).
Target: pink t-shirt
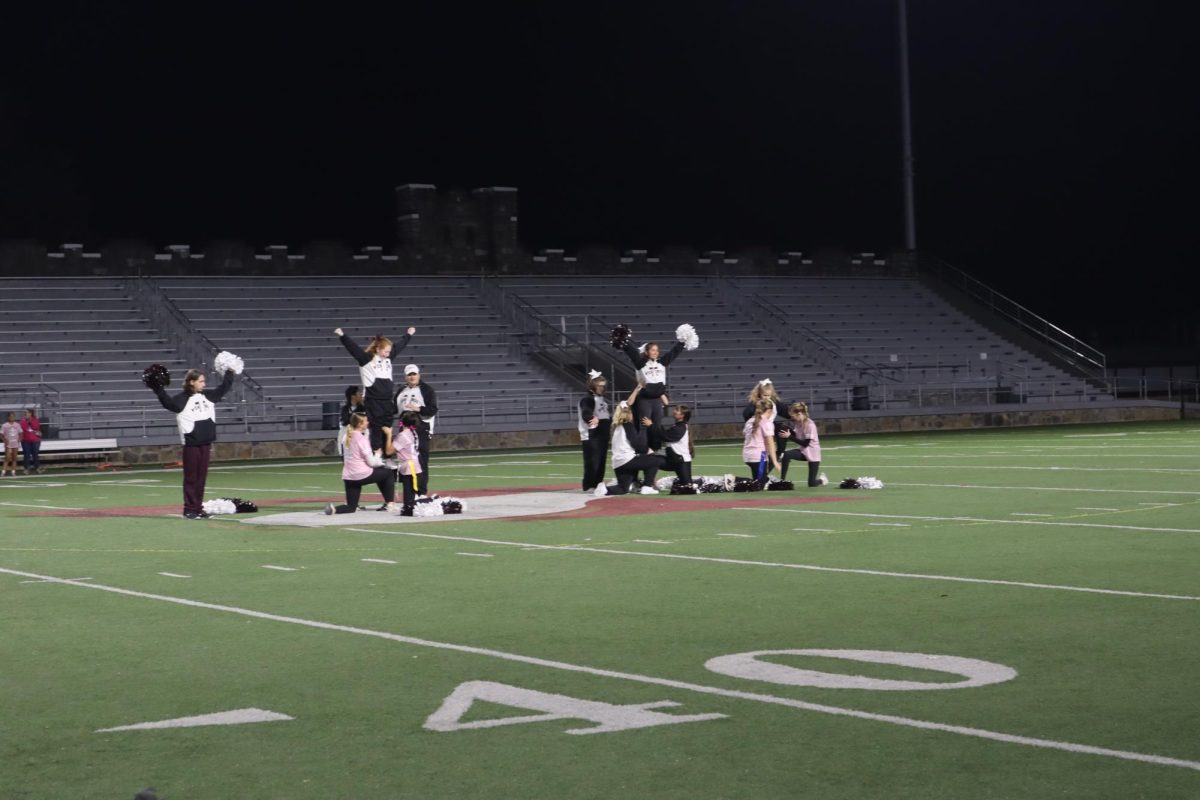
(405, 445)
(755, 441)
(11, 432)
(358, 460)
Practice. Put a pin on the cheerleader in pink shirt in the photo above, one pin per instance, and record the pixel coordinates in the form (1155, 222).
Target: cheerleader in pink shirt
(361, 467)
(803, 432)
(758, 446)
(405, 448)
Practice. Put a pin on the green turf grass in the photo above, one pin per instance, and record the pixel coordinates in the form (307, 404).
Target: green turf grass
(1104, 670)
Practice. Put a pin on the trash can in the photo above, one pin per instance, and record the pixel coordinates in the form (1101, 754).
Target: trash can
(330, 413)
(860, 398)
(49, 429)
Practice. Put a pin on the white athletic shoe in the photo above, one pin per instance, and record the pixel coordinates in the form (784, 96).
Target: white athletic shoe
(393, 508)
(328, 509)
(600, 491)
(821, 479)
(649, 490)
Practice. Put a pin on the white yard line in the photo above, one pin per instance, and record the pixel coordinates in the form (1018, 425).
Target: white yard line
(475, 555)
(908, 722)
(281, 569)
(775, 564)
(37, 505)
(974, 520)
(1043, 488)
(1095, 508)
(1028, 514)
(738, 535)
(173, 575)
(379, 561)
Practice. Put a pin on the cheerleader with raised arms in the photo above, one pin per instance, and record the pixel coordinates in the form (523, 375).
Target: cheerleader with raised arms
(375, 373)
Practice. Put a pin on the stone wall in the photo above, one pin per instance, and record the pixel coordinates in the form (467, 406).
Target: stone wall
(566, 437)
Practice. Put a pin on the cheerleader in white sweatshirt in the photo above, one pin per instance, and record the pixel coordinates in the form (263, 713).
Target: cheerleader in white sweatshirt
(375, 373)
(631, 452)
(595, 424)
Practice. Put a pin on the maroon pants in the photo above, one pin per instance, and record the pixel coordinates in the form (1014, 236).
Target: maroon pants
(195, 473)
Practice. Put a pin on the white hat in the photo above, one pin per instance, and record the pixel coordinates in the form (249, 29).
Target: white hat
(411, 369)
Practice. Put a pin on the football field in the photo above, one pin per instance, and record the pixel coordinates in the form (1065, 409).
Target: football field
(1016, 614)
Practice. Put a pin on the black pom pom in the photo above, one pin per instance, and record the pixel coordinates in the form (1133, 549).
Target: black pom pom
(680, 487)
(780, 486)
(850, 483)
(244, 506)
(451, 507)
(747, 485)
(156, 376)
(621, 336)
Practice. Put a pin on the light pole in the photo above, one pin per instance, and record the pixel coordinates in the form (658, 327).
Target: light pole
(910, 213)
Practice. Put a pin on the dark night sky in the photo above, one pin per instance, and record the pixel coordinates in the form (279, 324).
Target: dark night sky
(1055, 141)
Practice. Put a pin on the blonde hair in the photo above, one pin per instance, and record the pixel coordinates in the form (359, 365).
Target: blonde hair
(761, 408)
(799, 408)
(762, 390)
(378, 343)
(621, 415)
(594, 382)
(356, 419)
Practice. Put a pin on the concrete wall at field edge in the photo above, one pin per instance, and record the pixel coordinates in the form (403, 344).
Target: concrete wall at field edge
(831, 425)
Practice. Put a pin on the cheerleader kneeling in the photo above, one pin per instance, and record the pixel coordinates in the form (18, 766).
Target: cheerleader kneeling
(631, 452)
(361, 467)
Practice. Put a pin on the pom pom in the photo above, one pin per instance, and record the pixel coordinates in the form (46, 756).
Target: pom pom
(226, 361)
(219, 506)
(621, 336)
(687, 334)
(665, 484)
(681, 487)
(452, 505)
(747, 485)
(780, 486)
(156, 376)
(435, 506)
(245, 506)
(866, 482)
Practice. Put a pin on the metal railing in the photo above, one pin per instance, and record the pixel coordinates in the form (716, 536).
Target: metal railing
(1070, 349)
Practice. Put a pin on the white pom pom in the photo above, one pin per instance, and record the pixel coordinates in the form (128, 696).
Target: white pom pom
(870, 483)
(687, 334)
(226, 361)
(664, 484)
(219, 506)
(427, 510)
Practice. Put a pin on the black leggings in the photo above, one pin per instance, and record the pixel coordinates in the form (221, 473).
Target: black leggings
(382, 477)
(681, 468)
(650, 465)
(814, 467)
(595, 452)
(381, 413)
(651, 407)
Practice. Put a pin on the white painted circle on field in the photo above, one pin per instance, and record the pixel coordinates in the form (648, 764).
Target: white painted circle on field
(974, 671)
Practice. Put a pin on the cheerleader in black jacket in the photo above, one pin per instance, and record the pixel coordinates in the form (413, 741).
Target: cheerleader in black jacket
(594, 425)
(764, 389)
(676, 442)
(652, 375)
(631, 452)
(417, 395)
(195, 413)
(375, 371)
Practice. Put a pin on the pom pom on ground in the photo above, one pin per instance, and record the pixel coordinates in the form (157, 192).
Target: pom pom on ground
(219, 506)
(687, 334)
(621, 335)
(226, 361)
(437, 506)
(747, 485)
(156, 376)
(780, 486)
(681, 487)
(866, 482)
(245, 506)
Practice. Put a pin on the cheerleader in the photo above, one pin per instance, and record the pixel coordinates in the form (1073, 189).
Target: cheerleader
(195, 413)
(652, 376)
(676, 442)
(404, 448)
(417, 395)
(803, 432)
(362, 466)
(375, 369)
(631, 452)
(758, 440)
(764, 388)
(594, 425)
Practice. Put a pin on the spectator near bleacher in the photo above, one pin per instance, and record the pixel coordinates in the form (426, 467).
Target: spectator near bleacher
(10, 432)
(418, 396)
(195, 413)
(31, 441)
(375, 370)
(764, 388)
(802, 431)
(595, 423)
(652, 374)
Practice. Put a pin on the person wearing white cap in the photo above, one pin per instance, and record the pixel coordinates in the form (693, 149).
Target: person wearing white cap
(416, 395)
(594, 424)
